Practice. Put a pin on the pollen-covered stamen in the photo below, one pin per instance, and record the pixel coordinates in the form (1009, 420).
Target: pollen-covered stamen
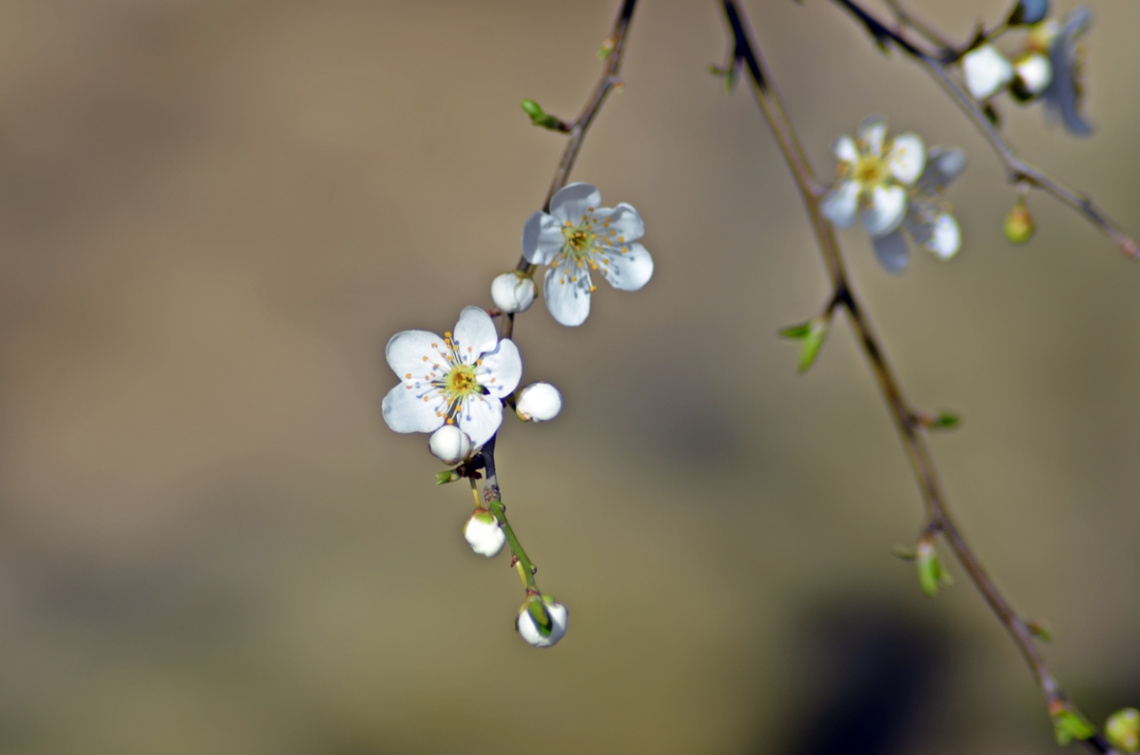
(870, 171)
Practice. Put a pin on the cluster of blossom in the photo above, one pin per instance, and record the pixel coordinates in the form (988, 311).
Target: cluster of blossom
(898, 184)
(1047, 66)
(454, 386)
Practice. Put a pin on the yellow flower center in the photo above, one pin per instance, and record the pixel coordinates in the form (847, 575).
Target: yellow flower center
(460, 381)
(870, 171)
(580, 240)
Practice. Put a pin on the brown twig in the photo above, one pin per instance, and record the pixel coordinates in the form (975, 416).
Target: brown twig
(938, 516)
(615, 46)
(1018, 170)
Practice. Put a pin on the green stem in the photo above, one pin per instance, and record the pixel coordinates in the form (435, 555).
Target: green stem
(526, 567)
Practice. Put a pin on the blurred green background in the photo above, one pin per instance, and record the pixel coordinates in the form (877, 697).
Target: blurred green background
(214, 214)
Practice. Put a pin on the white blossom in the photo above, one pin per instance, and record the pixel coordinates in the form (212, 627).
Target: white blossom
(928, 222)
(538, 402)
(874, 173)
(579, 236)
(484, 534)
(987, 71)
(513, 291)
(457, 379)
(532, 631)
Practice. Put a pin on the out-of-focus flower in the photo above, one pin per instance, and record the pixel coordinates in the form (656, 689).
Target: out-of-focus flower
(453, 380)
(987, 71)
(538, 402)
(541, 621)
(928, 222)
(1065, 91)
(875, 174)
(579, 236)
(513, 291)
(484, 534)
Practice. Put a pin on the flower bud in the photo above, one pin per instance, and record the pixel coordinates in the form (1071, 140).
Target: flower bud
(484, 534)
(450, 444)
(1123, 729)
(541, 621)
(538, 402)
(1034, 74)
(987, 71)
(1029, 12)
(1019, 225)
(513, 291)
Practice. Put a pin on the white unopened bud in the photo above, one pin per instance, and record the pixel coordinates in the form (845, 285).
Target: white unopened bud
(450, 444)
(484, 534)
(538, 402)
(513, 291)
(1034, 74)
(541, 621)
(987, 71)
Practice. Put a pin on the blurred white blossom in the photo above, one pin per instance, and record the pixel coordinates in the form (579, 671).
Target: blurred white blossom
(875, 174)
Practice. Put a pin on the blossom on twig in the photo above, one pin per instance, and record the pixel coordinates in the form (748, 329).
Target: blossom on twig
(578, 237)
(875, 174)
(457, 379)
(928, 222)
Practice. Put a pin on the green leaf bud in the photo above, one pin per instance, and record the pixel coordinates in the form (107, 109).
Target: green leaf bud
(930, 573)
(1069, 724)
(811, 333)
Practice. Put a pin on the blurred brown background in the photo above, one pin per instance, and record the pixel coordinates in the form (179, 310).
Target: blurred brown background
(214, 214)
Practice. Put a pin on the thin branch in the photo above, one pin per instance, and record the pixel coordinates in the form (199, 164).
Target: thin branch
(1018, 170)
(906, 419)
(615, 45)
(610, 78)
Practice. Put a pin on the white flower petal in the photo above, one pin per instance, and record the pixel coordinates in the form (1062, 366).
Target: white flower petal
(1062, 96)
(501, 369)
(625, 222)
(892, 251)
(945, 236)
(573, 201)
(888, 206)
(568, 301)
(943, 165)
(406, 351)
(628, 270)
(986, 71)
(873, 131)
(541, 238)
(405, 410)
(474, 334)
(907, 157)
(845, 150)
(840, 204)
(480, 417)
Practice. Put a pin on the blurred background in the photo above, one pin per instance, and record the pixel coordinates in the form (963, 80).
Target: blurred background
(214, 214)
